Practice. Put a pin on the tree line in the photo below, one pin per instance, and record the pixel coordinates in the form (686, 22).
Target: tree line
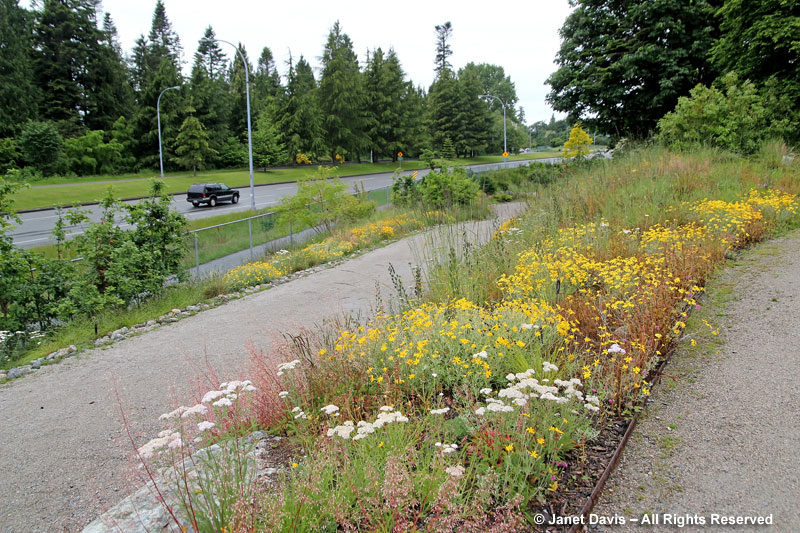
(623, 65)
(74, 102)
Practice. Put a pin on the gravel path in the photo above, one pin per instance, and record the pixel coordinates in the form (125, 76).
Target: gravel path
(722, 431)
(63, 448)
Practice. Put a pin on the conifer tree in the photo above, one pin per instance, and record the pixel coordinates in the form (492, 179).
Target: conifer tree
(192, 148)
(298, 115)
(19, 96)
(342, 97)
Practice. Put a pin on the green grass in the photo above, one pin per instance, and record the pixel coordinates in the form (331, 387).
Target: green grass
(86, 189)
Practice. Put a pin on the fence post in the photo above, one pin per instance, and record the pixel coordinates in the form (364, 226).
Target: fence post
(250, 230)
(196, 256)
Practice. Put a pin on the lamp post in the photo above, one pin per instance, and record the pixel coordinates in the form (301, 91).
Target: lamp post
(158, 115)
(249, 128)
(505, 145)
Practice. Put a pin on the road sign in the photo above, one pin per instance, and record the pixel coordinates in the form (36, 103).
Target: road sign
(415, 175)
(399, 156)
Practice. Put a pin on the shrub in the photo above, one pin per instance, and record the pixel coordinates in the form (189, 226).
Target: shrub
(731, 117)
(578, 143)
(448, 188)
(41, 146)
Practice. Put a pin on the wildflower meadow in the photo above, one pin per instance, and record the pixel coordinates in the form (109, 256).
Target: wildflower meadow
(462, 411)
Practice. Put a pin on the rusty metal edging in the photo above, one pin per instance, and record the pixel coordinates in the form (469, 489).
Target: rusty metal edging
(612, 464)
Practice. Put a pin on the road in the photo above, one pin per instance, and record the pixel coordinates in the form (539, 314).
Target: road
(36, 227)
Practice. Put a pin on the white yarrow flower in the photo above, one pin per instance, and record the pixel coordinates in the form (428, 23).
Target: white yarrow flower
(205, 425)
(329, 409)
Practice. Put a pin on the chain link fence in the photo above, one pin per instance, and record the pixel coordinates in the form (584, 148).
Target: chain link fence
(224, 246)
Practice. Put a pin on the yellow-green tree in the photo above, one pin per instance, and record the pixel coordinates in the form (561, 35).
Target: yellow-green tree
(578, 143)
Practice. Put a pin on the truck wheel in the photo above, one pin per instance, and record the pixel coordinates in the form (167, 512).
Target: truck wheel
(235, 199)
(212, 202)
(196, 204)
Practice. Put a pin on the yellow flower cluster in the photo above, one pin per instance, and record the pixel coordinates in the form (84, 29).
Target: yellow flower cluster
(330, 249)
(252, 274)
(569, 295)
(382, 229)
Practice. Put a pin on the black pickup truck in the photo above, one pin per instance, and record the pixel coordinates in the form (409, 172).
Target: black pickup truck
(211, 194)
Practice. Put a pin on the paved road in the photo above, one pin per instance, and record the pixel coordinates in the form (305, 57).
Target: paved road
(36, 227)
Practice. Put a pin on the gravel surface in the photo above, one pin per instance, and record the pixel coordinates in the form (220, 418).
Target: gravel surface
(64, 453)
(722, 431)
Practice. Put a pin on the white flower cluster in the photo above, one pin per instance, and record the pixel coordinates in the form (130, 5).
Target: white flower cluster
(285, 367)
(447, 448)
(441, 411)
(205, 425)
(455, 471)
(227, 393)
(482, 355)
(282, 252)
(167, 438)
(616, 348)
(329, 409)
(387, 415)
(299, 413)
(522, 388)
(529, 326)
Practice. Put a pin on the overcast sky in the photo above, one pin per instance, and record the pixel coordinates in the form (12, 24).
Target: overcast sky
(521, 36)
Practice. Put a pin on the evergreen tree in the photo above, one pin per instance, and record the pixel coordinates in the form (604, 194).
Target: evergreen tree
(342, 97)
(209, 91)
(266, 81)
(268, 150)
(385, 90)
(67, 41)
(209, 56)
(626, 63)
(298, 114)
(155, 66)
(415, 134)
(192, 148)
(19, 98)
(473, 115)
(238, 94)
(164, 42)
(445, 119)
(443, 51)
(111, 95)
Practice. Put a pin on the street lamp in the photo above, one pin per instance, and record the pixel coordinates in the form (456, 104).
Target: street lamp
(158, 114)
(249, 128)
(505, 146)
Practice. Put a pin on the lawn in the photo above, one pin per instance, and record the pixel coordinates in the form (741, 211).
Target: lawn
(70, 191)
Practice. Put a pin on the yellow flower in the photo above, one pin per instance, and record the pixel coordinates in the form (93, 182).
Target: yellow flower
(380, 444)
(530, 430)
(510, 447)
(534, 454)
(540, 440)
(294, 465)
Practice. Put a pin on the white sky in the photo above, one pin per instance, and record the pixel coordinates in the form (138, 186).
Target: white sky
(521, 36)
